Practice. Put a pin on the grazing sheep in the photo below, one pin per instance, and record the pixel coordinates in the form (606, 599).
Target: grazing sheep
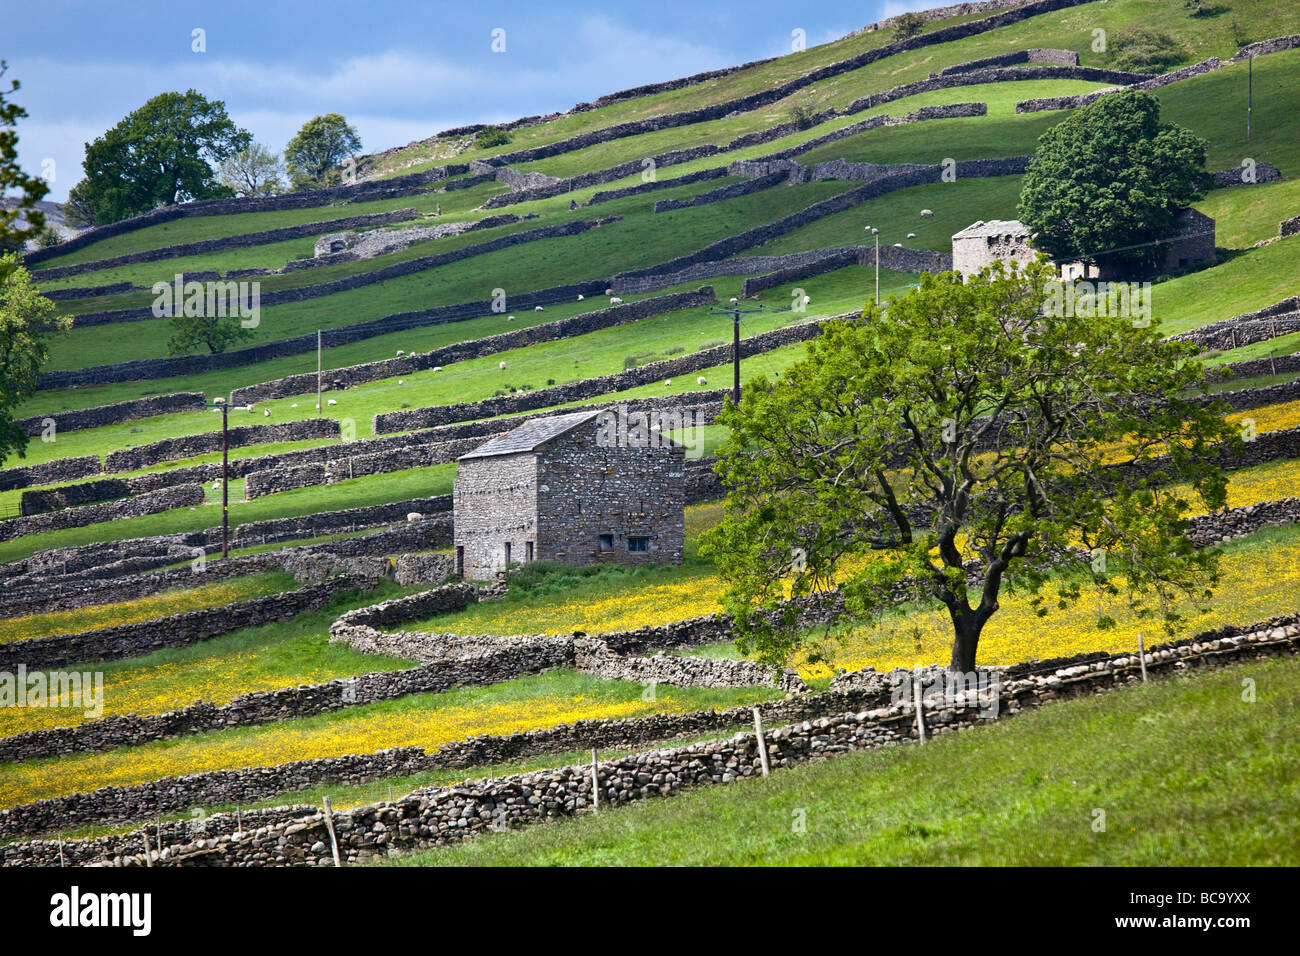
(216, 484)
(927, 212)
(501, 365)
(399, 381)
(615, 301)
(911, 235)
(806, 300)
(510, 318)
(538, 308)
(414, 516)
(668, 381)
(701, 380)
(401, 352)
(581, 296)
(294, 405)
(331, 402)
(609, 292)
(437, 368)
(266, 412)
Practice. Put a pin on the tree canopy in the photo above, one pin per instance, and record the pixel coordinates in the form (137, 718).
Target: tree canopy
(1110, 180)
(27, 319)
(253, 171)
(30, 189)
(320, 146)
(160, 154)
(958, 443)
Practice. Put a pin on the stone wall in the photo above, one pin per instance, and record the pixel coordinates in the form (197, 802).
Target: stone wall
(863, 719)
(612, 173)
(725, 192)
(148, 369)
(238, 241)
(589, 388)
(342, 521)
(205, 443)
(1281, 318)
(49, 472)
(1260, 172)
(116, 413)
(359, 280)
(818, 262)
(177, 630)
(1289, 227)
(155, 502)
(479, 348)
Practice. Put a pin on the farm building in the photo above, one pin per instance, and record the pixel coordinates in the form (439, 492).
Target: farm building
(983, 243)
(568, 488)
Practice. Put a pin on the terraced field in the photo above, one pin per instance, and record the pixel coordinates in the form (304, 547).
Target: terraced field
(593, 311)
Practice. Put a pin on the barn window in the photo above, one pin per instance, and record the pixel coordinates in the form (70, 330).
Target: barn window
(607, 542)
(638, 543)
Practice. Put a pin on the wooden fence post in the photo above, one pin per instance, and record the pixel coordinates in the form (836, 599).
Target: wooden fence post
(762, 744)
(920, 709)
(329, 825)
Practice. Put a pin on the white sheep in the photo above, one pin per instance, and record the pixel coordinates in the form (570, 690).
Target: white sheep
(927, 212)
(701, 380)
(414, 516)
(609, 292)
(399, 381)
(538, 308)
(911, 235)
(437, 368)
(615, 301)
(266, 412)
(331, 402)
(501, 365)
(668, 381)
(581, 296)
(401, 352)
(216, 485)
(806, 300)
(294, 405)
(511, 319)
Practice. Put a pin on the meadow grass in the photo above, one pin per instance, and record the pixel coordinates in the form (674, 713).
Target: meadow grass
(172, 601)
(1186, 772)
(421, 720)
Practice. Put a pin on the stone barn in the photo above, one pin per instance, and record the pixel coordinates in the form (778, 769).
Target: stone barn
(569, 488)
(984, 243)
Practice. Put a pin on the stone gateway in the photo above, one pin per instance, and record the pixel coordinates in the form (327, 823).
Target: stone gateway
(569, 488)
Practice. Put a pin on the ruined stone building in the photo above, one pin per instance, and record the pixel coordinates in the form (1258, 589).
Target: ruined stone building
(982, 243)
(569, 488)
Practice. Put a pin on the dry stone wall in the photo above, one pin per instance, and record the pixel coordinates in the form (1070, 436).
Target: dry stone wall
(116, 413)
(177, 630)
(50, 472)
(204, 443)
(590, 388)
(238, 241)
(479, 348)
(445, 815)
(155, 502)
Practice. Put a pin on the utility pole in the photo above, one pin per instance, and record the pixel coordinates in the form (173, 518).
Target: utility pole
(735, 312)
(225, 473)
(1250, 92)
(876, 232)
(318, 369)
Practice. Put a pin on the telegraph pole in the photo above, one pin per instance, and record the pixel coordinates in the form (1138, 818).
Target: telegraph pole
(735, 312)
(225, 473)
(876, 232)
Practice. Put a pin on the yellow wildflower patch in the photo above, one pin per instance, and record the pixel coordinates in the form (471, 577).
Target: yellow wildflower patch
(150, 607)
(363, 731)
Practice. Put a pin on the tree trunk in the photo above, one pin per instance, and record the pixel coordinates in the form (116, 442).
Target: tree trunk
(966, 638)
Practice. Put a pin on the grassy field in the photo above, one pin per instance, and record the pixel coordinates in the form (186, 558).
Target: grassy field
(423, 720)
(162, 604)
(1187, 773)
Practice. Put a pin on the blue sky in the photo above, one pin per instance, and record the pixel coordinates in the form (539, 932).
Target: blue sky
(398, 71)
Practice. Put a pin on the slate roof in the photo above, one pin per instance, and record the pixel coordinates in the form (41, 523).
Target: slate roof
(529, 436)
(994, 227)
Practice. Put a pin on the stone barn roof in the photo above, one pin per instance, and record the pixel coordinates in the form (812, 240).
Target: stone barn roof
(994, 227)
(529, 436)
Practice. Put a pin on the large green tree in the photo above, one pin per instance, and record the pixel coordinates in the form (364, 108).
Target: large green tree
(160, 154)
(955, 445)
(27, 320)
(1109, 181)
(29, 189)
(318, 148)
